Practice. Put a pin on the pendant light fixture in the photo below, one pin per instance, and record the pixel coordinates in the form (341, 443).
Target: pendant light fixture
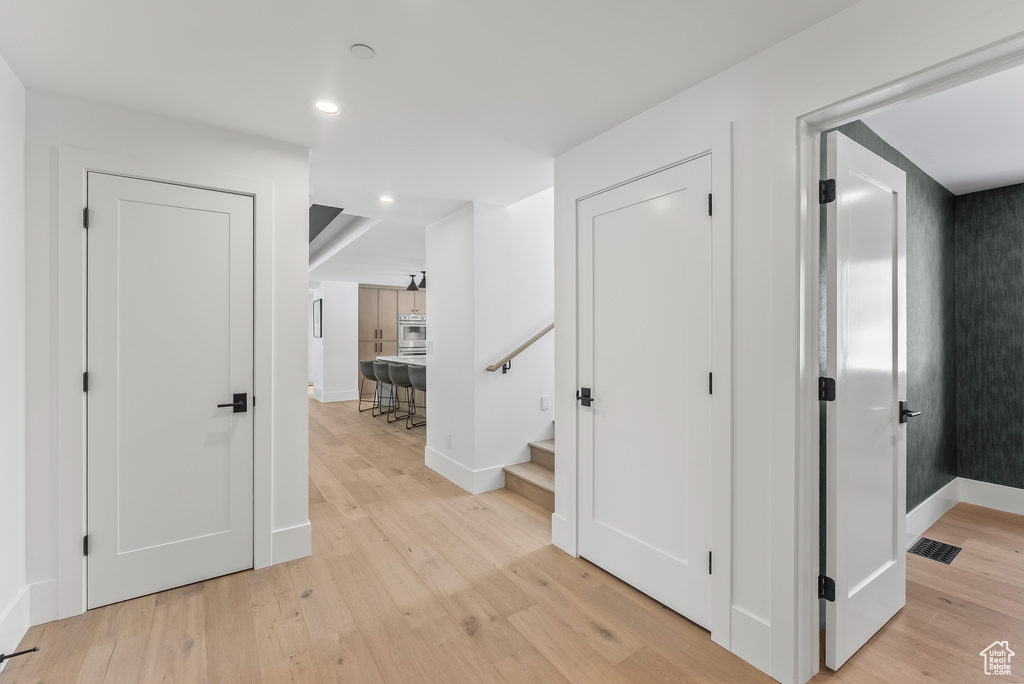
(412, 283)
(423, 281)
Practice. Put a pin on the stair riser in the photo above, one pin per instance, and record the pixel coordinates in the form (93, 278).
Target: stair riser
(530, 491)
(544, 458)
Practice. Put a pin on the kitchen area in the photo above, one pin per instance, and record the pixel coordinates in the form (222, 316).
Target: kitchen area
(393, 333)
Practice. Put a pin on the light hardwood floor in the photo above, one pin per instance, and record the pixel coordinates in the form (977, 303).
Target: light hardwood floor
(413, 580)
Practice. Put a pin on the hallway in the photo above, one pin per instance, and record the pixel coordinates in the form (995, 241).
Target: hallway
(413, 580)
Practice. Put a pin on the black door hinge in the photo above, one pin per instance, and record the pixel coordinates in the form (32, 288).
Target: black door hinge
(709, 204)
(85, 545)
(711, 385)
(826, 389)
(709, 562)
(85, 218)
(85, 381)
(826, 588)
(827, 191)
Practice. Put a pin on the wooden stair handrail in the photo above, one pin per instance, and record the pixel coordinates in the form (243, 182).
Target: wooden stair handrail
(521, 349)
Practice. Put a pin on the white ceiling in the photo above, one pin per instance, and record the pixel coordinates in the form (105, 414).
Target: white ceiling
(382, 255)
(968, 138)
(465, 100)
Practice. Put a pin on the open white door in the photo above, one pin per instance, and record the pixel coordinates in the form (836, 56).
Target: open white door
(170, 342)
(867, 356)
(645, 352)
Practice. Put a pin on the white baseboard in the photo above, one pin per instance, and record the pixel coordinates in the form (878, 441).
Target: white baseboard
(931, 509)
(43, 602)
(562, 535)
(318, 393)
(291, 543)
(14, 620)
(962, 490)
(473, 481)
(751, 638)
(999, 497)
(343, 395)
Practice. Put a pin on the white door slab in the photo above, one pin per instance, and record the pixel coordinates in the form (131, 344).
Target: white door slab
(867, 356)
(645, 351)
(170, 336)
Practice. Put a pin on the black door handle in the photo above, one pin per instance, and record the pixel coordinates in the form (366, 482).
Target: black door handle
(240, 403)
(583, 396)
(907, 413)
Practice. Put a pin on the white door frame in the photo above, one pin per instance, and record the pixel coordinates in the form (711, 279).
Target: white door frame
(73, 166)
(718, 142)
(969, 67)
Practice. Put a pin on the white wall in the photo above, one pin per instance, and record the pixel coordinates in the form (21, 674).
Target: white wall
(491, 289)
(309, 334)
(450, 328)
(14, 597)
(869, 45)
(337, 352)
(514, 299)
(62, 122)
(316, 345)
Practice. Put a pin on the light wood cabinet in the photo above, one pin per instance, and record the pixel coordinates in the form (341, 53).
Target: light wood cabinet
(378, 322)
(412, 302)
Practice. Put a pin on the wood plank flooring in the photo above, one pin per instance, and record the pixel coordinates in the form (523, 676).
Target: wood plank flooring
(413, 580)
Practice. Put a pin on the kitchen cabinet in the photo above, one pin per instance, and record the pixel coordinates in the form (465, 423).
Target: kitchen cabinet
(378, 322)
(378, 314)
(412, 302)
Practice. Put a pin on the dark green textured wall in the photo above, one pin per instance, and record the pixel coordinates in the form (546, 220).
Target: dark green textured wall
(931, 321)
(990, 335)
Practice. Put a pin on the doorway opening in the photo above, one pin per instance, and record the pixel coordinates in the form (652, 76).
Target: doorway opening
(961, 248)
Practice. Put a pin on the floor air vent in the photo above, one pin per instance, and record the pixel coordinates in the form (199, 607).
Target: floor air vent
(936, 550)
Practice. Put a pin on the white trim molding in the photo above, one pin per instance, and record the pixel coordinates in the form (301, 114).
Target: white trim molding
(574, 181)
(73, 166)
(14, 621)
(292, 542)
(342, 395)
(962, 490)
(931, 509)
(473, 481)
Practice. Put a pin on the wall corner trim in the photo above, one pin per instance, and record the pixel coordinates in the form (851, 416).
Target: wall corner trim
(473, 481)
(962, 490)
(291, 543)
(14, 621)
(931, 509)
(43, 602)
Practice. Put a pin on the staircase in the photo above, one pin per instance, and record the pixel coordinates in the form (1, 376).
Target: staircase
(535, 479)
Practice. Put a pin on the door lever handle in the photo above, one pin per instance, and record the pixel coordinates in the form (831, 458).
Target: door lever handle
(583, 396)
(240, 403)
(906, 413)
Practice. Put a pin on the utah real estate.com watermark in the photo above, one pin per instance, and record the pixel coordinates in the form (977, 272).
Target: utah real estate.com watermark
(997, 658)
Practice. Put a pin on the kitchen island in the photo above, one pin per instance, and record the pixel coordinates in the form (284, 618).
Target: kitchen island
(408, 360)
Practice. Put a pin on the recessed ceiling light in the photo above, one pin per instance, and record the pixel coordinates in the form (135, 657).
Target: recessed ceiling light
(385, 199)
(363, 51)
(325, 107)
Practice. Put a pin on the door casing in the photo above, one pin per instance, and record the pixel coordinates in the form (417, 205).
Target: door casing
(810, 125)
(694, 143)
(73, 166)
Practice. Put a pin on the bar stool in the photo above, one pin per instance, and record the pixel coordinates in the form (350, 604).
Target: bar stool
(400, 378)
(418, 378)
(366, 369)
(383, 375)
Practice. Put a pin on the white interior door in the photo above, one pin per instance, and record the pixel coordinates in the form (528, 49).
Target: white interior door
(867, 356)
(170, 336)
(645, 352)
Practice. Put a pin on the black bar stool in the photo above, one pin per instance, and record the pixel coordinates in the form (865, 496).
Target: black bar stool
(418, 378)
(383, 375)
(400, 379)
(366, 369)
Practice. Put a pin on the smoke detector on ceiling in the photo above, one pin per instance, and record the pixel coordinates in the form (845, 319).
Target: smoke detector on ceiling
(363, 51)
